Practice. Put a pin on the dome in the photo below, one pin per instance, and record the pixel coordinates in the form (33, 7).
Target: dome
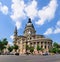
(29, 24)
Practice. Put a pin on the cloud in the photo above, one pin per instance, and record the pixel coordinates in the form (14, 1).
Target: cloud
(17, 9)
(3, 9)
(17, 12)
(12, 37)
(20, 11)
(47, 13)
(49, 31)
(58, 23)
(55, 31)
(18, 24)
(31, 9)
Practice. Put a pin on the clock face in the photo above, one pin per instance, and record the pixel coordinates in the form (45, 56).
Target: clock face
(29, 32)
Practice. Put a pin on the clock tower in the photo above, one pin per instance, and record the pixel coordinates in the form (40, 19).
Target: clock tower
(29, 29)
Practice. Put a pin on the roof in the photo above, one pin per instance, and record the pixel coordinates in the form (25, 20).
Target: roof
(42, 36)
(22, 36)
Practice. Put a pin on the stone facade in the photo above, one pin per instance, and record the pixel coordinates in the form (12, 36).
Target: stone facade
(31, 38)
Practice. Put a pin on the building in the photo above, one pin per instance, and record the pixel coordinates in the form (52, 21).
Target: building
(30, 38)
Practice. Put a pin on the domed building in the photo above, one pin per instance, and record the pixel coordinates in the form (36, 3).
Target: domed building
(30, 38)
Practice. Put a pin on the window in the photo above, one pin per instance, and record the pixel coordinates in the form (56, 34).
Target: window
(45, 46)
(41, 46)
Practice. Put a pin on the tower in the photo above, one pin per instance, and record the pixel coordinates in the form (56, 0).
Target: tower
(15, 34)
(15, 31)
(29, 29)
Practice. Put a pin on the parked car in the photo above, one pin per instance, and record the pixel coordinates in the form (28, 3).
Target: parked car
(45, 54)
(8, 53)
(27, 53)
(0, 53)
(11, 53)
(16, 53)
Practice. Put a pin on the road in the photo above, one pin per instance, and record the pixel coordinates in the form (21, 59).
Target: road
(30, 58)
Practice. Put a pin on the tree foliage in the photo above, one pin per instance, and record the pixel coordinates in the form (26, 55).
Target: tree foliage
(15, 47)
(10, 48)
(27, 47)
(31, 49)
(55, 45)
(3, 44)
(39, 48)
(55, 48)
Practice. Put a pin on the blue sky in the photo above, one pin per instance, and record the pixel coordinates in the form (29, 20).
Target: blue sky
(45, 16)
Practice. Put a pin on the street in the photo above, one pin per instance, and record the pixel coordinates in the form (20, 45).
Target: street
(29, 58)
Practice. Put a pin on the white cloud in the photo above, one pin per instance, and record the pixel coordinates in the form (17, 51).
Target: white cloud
(31, 9)
(12, 37)
(49, 31)
(3, 9)
(20, 11)
(18, 24)
(55, 31)
(0, 5)
(58, 23)
(17, 9)
(17, 12)
(47, 13)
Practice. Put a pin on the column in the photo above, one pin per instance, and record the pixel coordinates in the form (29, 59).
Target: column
(47, 47)
(43, 45)
(40, 44)
(21, 47)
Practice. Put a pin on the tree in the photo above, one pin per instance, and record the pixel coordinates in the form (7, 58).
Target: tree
(15, 47)
(31, 49)
(10, 48)
(38, 48)
(59, 51)
(4, 41)
(55, 48)
(27, 47)
(55, 45)
(2, 46)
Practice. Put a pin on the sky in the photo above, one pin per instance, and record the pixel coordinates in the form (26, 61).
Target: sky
(44, 14)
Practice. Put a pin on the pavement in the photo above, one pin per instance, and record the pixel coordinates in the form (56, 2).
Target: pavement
(29, 58)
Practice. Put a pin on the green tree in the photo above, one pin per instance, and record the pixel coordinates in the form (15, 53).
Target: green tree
(2, 46)
(58, 46)
(59, 51)
(31, 49)
(55, 45)
(55, 48)
(15, 47)
(4, 41)
(10, 48)
(27, 47)
(39, 48)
